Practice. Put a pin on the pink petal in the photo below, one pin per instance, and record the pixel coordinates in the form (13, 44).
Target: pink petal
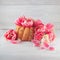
(51, 48)
(49, 27)
(15, 41)
(36, 43)
(37, 22)
(51, 36)
(46, 44)
(42, 47)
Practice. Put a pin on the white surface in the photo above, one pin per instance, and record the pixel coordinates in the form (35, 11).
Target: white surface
(47, 13)
(26, 51)
(30, 2)
(10, 10)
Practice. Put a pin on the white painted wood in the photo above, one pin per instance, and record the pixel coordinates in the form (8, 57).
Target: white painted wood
(47, 13)
(29, 2)
(26, 50)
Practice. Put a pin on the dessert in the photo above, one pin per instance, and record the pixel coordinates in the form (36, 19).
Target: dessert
(24, 28)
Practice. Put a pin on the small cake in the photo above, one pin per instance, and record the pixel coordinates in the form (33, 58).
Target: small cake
(24, 28)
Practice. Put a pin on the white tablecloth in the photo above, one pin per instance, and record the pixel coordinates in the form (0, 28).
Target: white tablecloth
(26, 51)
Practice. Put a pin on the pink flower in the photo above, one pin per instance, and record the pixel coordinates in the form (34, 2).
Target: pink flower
(27, 23)
(38, 35)
(51, 36)
(23, 21)
(40, 31)
(37, 23)
(49, 27)
(41, 27)
(11, 35)
(20, 20)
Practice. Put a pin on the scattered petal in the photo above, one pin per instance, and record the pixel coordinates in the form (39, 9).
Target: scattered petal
(15, 41)
(51, 48)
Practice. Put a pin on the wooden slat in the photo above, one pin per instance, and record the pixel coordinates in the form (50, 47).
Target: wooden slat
(29, 2)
